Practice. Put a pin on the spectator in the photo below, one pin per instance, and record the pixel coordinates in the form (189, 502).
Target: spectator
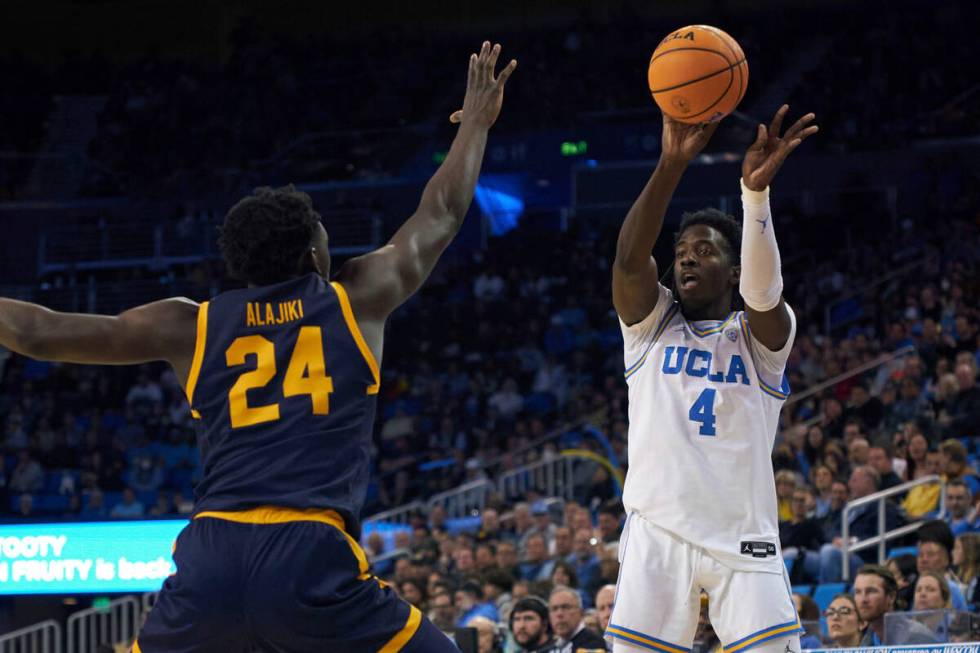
(523, 523)
(497, 588)
(489, 526)
(163, 506)
(583, 558)
(129, 507)
(543, 523)
(470, 603)
(507, 558)
(954, 465)
(800, 535)
(903, 568)
(962, 416)
(485, 556)
(880, 457)
(875, 591)
(27, 477)
(931, 592)
(610, 527)
(843, 623)
(507, 401)
(809, 615)
(935, 553)
(564, 574)
(25, 507)
(959, 502)
(530, 625)
(565, 613)
(823, 481)
(966, 561)
(864, 406)
(94, 506)
(413, 592)
(858, 452)
(916, 451)
(839, 495)
(863, 525)
(785, 486)
(604, 604)
(442, 611)
(563, 542)
(924, 499)
(537, 566)
(488, 638)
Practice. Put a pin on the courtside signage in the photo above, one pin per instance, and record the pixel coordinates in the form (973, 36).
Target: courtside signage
(972, 647)
(83, 557)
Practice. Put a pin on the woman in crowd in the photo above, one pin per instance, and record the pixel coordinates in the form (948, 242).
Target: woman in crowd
(966, 562)
(843, 623)
(931, 592)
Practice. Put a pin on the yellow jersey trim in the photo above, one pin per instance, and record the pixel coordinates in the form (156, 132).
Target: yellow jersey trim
(401, 638)
(198, 360)
(136, 647)
(355, 331)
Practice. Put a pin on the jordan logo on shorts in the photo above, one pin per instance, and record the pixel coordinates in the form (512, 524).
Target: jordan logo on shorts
(758, 549)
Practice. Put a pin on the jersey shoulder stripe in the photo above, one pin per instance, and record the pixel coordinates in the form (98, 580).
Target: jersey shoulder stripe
(668, 316)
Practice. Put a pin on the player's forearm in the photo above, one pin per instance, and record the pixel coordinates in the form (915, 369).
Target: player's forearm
(450, 191)
(761, 280)
(645, 219)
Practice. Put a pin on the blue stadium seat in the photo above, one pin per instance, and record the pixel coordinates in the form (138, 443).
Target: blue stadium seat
(51, 503)
(804, 590)
(825, 593)
(902, 550)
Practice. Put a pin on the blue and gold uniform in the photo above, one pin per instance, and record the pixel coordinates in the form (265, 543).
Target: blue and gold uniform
(284, 388)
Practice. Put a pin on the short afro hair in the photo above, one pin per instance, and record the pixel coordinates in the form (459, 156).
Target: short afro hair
(726, 224)
(266, 235)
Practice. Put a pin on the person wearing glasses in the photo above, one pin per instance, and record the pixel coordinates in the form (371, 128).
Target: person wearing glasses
(565, 613)
(843, 623)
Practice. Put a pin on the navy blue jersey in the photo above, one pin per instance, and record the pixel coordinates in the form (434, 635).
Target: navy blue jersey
(284, 388)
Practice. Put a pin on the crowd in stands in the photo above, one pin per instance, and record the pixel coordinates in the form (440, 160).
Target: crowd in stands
(374, 99)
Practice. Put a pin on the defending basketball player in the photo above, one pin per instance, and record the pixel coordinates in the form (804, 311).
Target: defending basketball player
(706, 385)
(283, 377)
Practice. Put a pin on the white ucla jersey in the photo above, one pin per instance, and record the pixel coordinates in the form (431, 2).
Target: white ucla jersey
(704, 401)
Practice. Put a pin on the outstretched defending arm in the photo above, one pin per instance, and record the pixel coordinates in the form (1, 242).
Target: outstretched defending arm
(761, 281)
(162, 330)
(380, 281)
(635, 275)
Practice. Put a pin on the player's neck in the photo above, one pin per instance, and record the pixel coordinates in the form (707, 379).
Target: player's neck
(716, 310)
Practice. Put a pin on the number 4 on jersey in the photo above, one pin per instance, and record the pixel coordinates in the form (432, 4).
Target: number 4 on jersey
(703, 412)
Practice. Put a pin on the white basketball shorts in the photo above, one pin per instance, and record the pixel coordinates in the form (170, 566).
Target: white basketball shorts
(659, 590)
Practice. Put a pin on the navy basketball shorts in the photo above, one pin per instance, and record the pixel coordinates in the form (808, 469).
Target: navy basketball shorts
(279, 580)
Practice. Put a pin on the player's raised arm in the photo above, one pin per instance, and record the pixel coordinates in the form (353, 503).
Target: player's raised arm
(381, 280)
(761, 282)
(635, 276)
(162, 330)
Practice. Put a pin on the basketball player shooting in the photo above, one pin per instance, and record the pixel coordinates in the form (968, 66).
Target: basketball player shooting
(706, 385)
(283, 377)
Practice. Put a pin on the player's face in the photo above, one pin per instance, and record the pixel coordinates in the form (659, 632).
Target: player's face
(703, 270)
(528, 628)
(319, 253)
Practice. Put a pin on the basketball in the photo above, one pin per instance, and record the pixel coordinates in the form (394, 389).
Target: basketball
(698, 74)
